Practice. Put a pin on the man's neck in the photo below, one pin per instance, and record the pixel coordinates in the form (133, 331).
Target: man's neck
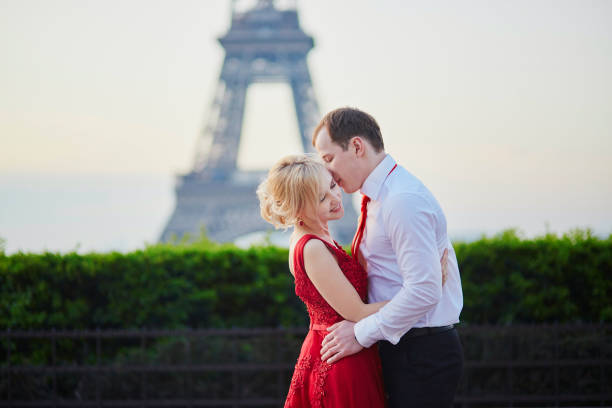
(375, 160)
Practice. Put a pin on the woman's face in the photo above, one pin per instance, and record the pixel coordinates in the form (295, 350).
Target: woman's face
(329, 200)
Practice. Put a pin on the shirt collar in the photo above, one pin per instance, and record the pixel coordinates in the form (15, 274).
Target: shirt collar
(373, 183)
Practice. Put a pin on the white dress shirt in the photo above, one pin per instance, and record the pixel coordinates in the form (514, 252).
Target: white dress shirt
(404, 239)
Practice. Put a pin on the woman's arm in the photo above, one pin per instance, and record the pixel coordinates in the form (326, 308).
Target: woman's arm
(324, 272)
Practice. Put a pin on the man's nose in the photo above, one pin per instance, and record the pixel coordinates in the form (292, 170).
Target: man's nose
(333, 174)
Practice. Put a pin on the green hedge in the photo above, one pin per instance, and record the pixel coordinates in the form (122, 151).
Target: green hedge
(548, 279)
(506, 279)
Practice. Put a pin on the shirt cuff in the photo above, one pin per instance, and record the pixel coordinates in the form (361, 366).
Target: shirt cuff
(367, 332)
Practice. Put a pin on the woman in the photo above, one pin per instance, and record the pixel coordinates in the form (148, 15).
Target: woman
(300, 193)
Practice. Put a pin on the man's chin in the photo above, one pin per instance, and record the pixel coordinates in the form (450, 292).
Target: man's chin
(348, 191)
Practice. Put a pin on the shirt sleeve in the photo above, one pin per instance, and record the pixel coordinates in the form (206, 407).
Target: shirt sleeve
(409, 222)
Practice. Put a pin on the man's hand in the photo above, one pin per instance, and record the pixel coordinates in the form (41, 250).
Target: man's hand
(444, 264)
(340, 342)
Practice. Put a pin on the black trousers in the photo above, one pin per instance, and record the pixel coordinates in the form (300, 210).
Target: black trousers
(422, 371)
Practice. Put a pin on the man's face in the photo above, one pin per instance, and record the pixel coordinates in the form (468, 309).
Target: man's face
(342, 164)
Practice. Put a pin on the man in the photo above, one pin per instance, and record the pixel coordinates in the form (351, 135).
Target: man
(400, 240)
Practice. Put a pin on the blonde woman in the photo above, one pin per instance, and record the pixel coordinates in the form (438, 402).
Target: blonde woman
(300, 193)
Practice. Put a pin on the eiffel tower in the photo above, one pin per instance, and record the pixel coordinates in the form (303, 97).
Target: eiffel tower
(264, 44)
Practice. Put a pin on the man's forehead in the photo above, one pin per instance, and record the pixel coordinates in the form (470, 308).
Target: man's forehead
(323, 143)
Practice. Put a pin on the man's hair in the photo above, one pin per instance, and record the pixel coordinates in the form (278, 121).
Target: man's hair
(345, 123)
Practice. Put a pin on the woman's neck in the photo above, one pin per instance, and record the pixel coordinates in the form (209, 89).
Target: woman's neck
(318, 230)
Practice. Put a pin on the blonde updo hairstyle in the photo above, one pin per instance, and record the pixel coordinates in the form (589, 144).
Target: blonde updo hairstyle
(293, 184)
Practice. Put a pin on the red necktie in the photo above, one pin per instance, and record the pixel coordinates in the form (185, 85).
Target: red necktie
(361, 224)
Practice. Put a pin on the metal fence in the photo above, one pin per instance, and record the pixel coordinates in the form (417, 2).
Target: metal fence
(514, 366)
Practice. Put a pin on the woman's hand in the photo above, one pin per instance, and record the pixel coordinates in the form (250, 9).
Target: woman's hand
(444, 264)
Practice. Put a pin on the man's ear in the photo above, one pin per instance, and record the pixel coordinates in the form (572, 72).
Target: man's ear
(358, 145)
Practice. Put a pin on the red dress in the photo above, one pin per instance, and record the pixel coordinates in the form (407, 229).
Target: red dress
(354, 381)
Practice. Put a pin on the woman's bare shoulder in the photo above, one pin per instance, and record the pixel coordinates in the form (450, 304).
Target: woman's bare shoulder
(316, 249)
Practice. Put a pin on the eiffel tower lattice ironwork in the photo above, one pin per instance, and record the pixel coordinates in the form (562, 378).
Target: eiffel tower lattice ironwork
(264, 44)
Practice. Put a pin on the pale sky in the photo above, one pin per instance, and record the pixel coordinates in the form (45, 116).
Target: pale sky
(502, 108)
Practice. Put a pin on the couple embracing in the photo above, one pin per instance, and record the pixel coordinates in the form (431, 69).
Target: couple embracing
(381, 319)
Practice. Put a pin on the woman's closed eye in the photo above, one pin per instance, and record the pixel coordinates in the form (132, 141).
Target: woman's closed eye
(331, 187)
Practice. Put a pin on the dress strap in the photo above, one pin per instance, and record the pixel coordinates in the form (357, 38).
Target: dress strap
(298, 250)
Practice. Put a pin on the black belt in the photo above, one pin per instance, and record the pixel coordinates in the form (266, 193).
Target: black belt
(426, 331)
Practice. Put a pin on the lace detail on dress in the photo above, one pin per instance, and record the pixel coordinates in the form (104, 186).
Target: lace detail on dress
(321, 375)
(302, 367)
